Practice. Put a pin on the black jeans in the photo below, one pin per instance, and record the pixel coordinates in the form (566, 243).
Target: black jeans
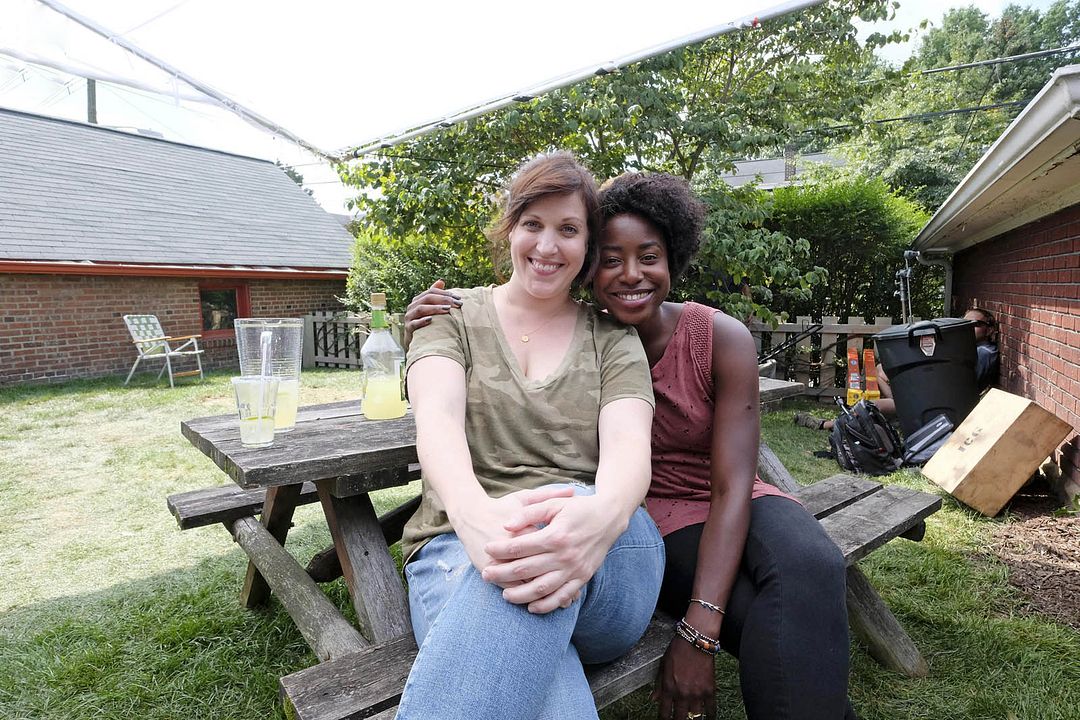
(786, 619)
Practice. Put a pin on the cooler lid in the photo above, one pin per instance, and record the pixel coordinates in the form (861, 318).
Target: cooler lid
(924, 327)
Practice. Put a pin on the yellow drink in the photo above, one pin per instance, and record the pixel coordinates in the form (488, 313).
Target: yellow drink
(257, 431)
(382, 398)
(288, 397)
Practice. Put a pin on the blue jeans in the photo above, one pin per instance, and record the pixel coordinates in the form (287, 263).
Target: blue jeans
(483, 657)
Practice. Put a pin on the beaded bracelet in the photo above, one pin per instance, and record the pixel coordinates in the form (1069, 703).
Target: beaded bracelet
(689, 633)
(708, 605)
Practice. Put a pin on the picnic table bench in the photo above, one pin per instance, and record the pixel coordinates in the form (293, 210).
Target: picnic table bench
(336, 457)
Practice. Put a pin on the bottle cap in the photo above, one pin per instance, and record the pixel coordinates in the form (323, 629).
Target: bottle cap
(378, 299)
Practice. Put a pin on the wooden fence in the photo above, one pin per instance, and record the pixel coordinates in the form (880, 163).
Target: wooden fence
(818, 361)
(334, 339)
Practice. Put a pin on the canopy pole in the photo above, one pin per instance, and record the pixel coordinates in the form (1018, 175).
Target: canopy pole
(748, 21)
(245, 113)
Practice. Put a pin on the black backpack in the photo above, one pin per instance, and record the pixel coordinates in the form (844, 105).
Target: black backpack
(863, 441)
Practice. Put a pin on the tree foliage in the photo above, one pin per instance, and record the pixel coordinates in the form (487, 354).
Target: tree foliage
(690, 112)
(857, 230)
(402, 268)
(926, 159)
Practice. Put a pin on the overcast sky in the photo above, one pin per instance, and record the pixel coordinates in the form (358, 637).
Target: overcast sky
(166, 27)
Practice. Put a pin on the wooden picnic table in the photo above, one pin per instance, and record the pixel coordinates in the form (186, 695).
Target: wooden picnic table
(336, 457)
(339, 456)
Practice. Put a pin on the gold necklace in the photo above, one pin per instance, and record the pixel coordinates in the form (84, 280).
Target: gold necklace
(525, 336)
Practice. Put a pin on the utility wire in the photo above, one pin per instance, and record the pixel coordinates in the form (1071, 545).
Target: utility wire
(982, 63)
(1000, 60)
(919, 116)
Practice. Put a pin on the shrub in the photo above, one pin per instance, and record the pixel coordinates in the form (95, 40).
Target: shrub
(857, 229)
(404, 267)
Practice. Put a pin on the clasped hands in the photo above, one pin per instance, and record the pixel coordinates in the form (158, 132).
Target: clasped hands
(544, 567)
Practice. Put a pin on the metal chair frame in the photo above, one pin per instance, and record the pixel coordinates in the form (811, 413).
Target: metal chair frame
(153, 344)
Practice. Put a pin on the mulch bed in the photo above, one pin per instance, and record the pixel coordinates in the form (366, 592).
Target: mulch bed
(1042, 552)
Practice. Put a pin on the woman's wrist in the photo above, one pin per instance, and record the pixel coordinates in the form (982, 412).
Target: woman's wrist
(463, 502)
(704, 620)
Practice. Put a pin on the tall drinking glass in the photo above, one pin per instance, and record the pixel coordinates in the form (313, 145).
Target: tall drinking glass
(286, 346)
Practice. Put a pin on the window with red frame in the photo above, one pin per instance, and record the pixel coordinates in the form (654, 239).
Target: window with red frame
(221, 303)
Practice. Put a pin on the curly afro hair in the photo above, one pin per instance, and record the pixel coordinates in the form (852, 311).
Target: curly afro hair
(666, 202)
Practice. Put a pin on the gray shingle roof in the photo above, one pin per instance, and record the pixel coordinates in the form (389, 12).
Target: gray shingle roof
(70, 191)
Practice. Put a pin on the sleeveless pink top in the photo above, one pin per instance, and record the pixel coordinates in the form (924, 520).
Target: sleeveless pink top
(682, 426)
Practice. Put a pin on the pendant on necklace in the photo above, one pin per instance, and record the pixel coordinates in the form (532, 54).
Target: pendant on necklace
(524, 338)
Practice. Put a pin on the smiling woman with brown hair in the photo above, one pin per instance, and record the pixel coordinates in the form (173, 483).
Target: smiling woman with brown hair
(529, 553)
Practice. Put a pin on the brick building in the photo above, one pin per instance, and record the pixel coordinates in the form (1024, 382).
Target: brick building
(1012, 227)
(96, 224)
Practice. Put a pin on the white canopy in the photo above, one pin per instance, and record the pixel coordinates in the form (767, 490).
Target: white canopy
(342, 73)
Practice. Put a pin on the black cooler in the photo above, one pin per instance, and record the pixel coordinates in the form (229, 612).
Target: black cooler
(931, 369)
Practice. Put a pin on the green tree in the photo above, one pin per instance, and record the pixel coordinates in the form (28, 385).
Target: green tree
(925, 159)
(857, 230)
(690, 112)
(402, 268)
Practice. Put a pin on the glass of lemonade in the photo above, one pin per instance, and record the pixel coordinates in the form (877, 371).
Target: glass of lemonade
(256, 398)
(286, 351)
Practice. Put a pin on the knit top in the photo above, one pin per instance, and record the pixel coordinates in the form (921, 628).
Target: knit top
(682, 426)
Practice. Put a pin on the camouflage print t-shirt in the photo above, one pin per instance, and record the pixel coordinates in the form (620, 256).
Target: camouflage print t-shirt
(524, 433)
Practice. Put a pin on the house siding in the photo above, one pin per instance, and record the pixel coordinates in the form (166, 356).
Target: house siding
(59, 327)
(1030, 279)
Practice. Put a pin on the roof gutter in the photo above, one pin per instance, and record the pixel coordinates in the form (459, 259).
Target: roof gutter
(1037, 140)
(45, 267)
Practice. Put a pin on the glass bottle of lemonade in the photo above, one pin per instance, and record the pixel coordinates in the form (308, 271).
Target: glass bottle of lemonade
(384, 366)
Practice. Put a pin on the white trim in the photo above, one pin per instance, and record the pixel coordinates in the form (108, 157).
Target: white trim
(1031, 170)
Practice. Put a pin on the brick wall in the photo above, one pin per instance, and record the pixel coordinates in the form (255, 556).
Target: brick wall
(55, 327)
(1030, 279)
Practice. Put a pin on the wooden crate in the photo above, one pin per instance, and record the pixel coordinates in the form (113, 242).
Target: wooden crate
(995, 450)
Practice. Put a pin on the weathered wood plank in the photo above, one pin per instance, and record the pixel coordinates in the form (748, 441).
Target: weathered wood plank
(771, 389)
(326, 443)
(827, 376)
(360, 685)
(277, 514)
(369, 570)
(636, 668)
(854, 326)
(369, 683)
(803, 357)
(870, 523)
(326, 566)
(834, 493)
(884, 636)
(324, 628)
(772, 471)
(198, 508)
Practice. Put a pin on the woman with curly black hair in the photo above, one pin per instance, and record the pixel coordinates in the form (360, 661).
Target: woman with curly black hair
(748, 568)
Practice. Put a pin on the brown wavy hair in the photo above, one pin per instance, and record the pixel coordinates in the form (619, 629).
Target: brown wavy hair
(557, 173)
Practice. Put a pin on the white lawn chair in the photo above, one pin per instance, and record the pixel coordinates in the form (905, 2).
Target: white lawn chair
(153, 344)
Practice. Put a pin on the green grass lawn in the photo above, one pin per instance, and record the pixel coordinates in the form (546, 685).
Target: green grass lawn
(107, 610)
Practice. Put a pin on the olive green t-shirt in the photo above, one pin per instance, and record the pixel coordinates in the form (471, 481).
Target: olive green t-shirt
(524, 433)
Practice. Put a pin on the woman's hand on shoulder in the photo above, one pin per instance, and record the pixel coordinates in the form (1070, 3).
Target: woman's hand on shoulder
(686, 685)
(546, 568)
(436, 300)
